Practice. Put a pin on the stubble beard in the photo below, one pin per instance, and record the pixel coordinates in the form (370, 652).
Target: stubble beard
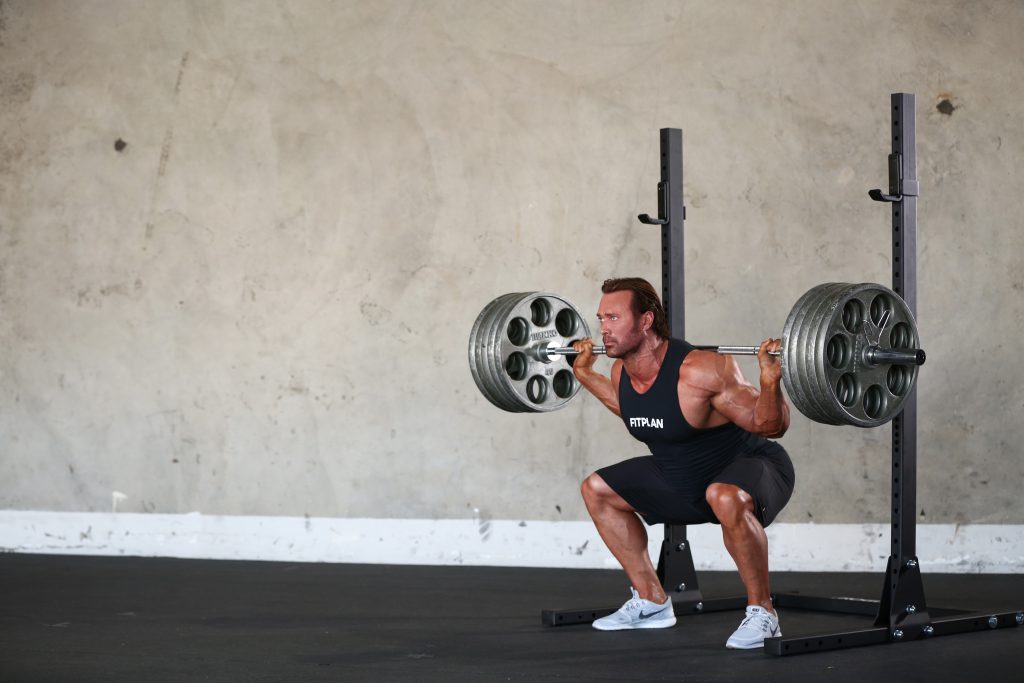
(622, 350)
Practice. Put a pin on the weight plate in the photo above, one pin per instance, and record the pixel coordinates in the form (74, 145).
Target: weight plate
(790, 337)
(816, 357)
(804, 354)
(494, 328)
(494, 361)
(505, 357)
(798, 359)
(483, 327)
(825, 341)
(878, 390)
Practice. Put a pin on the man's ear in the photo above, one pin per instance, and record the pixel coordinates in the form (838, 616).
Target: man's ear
(648, 320)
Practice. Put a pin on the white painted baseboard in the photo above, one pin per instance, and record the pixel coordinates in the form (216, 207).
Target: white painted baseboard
(978, 548)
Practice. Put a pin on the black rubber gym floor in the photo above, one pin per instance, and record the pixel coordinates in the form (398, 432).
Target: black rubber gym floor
(134, 619)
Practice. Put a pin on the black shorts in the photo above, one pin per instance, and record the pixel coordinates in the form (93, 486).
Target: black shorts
(766, 473)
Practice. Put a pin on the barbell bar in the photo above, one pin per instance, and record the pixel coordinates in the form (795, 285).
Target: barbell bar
(850, 353)
(731, 350)
(873, 354)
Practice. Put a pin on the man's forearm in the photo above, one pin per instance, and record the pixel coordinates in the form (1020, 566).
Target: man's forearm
(771, 414)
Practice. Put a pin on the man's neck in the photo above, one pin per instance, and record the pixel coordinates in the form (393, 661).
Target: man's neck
(644, 362)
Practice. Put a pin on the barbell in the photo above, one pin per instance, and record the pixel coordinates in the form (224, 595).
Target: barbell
(873, 354)
(850, 353)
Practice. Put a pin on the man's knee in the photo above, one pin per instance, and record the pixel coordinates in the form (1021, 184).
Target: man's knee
(729, 503)
(598, 494)
(594, 487)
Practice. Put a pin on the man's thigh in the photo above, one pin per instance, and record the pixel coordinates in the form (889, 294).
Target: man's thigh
(767, 475)
(640, 483)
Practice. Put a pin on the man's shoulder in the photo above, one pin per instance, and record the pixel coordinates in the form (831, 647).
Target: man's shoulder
(696, 358)
(702, 368)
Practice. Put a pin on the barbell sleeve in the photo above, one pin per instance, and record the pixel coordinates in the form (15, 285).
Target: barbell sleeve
(877, 356)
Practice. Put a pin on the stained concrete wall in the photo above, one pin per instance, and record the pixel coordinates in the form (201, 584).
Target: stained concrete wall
(243, 243)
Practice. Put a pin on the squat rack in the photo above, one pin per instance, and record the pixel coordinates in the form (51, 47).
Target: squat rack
(901, 614)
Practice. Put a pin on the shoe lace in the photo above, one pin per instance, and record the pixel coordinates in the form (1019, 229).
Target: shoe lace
(758, 621)
(633, 605)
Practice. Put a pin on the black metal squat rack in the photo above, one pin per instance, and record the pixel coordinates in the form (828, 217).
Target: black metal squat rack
(902, 613)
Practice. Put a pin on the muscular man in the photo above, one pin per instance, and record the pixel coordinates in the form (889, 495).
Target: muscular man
(710, 459)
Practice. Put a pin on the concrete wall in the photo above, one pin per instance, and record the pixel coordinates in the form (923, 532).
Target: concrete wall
(242, 244)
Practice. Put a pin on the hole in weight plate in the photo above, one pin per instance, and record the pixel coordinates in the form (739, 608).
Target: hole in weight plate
(874, 401)
(879, 305)
(518, 331)
(566, 322)
(900, 336)
(540, 312)
(846, 390)
(853, 315)
(515, 366)
(897, 379)
(838, 351)
(537, 389)
(563, 383)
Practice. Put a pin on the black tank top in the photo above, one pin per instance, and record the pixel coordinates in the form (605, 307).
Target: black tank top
(688, 457)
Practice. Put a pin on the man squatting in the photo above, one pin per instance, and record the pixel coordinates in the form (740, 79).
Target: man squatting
(711, 461)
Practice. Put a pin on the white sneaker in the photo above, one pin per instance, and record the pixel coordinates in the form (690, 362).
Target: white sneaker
(638, 613)
(758, 625)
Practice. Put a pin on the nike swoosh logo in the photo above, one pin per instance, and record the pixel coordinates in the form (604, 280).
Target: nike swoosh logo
(648, 616)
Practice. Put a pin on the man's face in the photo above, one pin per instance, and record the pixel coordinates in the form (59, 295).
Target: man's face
(621, 330)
